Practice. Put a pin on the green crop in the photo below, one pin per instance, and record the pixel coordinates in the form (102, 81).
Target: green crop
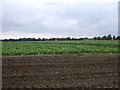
(91, 42)
(58, 47)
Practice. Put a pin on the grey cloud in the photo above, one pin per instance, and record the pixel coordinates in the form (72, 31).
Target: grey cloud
(78, 19)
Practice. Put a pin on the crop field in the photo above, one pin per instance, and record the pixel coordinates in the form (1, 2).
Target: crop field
(59, 47)
(60, 64)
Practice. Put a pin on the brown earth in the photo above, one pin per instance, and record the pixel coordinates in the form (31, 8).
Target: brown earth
(61, 71)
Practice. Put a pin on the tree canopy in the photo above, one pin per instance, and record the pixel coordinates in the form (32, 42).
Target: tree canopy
(108, 37)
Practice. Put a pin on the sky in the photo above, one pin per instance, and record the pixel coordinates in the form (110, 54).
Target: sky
(58, 18)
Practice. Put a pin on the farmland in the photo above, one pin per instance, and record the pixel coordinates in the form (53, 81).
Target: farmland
(59, 47)
(60, 64)
(91, 70)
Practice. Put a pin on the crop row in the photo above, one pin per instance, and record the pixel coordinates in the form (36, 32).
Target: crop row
(108, 43)
(51, 47)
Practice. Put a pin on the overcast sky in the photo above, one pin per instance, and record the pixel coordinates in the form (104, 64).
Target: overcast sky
(58, 18)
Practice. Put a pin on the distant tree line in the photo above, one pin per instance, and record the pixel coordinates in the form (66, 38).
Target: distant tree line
(109, 37)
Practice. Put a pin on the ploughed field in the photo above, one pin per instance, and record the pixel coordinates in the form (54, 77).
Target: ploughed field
(60, 64)
(98, 70)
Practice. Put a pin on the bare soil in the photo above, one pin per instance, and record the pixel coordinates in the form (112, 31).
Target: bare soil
(61, 71)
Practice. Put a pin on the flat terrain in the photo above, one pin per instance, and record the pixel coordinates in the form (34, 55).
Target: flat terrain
(62, 70)
(59, 47)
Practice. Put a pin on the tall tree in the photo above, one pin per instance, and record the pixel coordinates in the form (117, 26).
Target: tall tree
(109, 37)
(118, 37)
(114, 37)
(104, 38)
